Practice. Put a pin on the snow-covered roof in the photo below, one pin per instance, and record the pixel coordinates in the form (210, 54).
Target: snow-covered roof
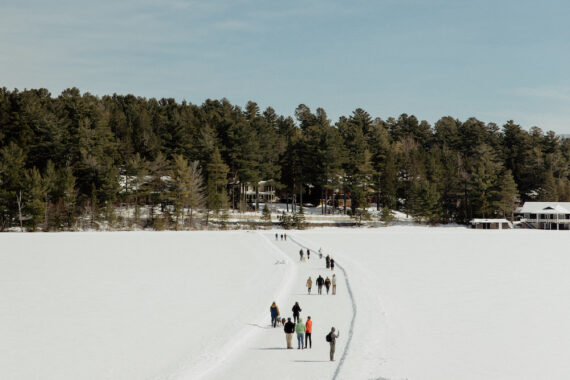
(544, 208)
(489, 221)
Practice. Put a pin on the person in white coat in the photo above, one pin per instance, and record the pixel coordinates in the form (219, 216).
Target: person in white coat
(333, 281)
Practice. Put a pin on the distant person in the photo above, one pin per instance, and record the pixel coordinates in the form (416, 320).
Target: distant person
(283, 320)
(301, 255)
(274, 310)
(281, 236)
(332, 264)
(289, 329)
(320, 253)
(327, 284)
(300, 330)
(333, 281)
(320, 283)
(328, 259)
(285, 237)
(276, 237)
(308, 254)
(331, 338)
(309, 284)
(296, 310)
(308, 331)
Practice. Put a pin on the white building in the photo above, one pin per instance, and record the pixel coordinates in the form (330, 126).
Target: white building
(265, 189)
(545, 215)
(491, 224)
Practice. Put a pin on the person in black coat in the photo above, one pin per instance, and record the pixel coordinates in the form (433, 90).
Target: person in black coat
(328, 259)
(332, 264)
(289, 329)
(320, 282)
(296, 310)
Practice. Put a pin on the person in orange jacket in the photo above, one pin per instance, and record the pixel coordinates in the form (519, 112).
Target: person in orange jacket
(308, 331)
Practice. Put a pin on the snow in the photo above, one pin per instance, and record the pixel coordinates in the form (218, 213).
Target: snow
(412, 303)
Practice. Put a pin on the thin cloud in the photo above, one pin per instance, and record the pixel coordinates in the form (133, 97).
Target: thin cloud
(559, 93)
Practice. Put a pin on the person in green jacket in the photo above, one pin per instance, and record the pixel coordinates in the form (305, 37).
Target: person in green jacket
(300, 330)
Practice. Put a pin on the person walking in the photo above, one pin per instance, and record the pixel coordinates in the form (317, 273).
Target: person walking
(281, 236)
(301, 255)
(300, 330)
(309, 284)
(285, 237)
(320, 253)
(328, 259)
(308, 254)
(332, 264)
(308, 331)
(333, 281)
(320, 282)
(331, 338)
(276, 236)
(327, 284)
(296, 310)
(274, 310)
(289, 329)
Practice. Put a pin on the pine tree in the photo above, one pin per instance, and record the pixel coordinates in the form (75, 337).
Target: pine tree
(548, 192)
(266, 215)
(299, 219)
(286, 221)
(69, 196)
(508, 198)
(135, 177)
(217, 183)
(35, 194)
(386, 215)
(51, 183)
(179, 191)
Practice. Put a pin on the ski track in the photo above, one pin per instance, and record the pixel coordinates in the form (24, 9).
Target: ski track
(353, 303)
(210, 362)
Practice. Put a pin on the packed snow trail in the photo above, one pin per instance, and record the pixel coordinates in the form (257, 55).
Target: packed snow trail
(303, 243)
(266, 356)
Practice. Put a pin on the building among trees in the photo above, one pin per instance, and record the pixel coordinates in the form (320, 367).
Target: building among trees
(545, 215)
(491, 224)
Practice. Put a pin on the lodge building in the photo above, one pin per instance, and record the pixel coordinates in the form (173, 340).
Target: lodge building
(544, 215)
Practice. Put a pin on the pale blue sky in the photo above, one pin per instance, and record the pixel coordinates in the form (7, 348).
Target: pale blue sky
(495, 60)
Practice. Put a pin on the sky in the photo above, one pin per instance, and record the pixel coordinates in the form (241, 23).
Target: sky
(494, 60)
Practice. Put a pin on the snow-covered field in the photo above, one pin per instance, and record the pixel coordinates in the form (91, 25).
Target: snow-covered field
(416, 303)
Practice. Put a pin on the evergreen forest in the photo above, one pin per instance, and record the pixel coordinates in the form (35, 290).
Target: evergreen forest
(76, 160)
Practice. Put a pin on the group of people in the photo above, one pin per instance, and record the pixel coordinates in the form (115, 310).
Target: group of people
(303, 330)
(329, 262)
(297, 326)
(327, 282)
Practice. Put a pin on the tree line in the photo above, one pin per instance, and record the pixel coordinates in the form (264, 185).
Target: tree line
(80, 158)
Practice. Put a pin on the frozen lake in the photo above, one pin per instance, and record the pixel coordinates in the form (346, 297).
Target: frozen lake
(425, 303)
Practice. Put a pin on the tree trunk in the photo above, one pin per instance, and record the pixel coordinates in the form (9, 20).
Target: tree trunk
(19, 201)
(46, 225)
(257, 198)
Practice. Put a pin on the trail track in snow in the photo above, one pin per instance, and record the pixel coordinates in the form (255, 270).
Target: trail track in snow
(297, 241)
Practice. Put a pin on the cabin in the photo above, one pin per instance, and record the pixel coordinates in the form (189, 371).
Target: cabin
(491, 224)
(544, 215)
(266, 192)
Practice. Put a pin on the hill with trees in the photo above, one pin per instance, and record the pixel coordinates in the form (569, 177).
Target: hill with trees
(76, 159)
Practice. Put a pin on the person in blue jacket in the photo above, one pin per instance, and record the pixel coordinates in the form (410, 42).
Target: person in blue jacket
(274, 314)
